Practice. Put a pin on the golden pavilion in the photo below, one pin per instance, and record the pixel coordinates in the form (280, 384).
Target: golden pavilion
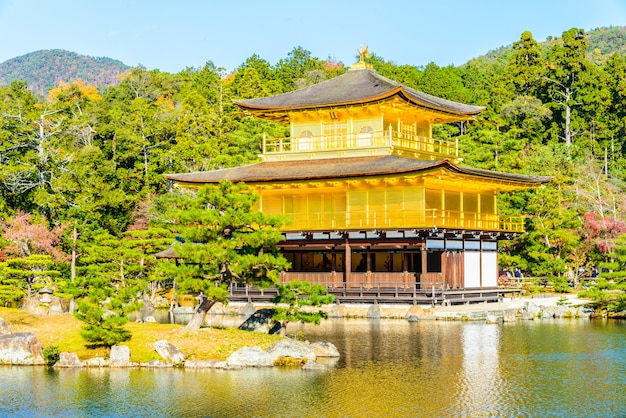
(372, 197)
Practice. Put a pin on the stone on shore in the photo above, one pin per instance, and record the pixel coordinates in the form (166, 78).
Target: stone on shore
(291, 348)
(20, 348)
(97, 362)
(250, 357)
(493, 319)
(374, 311)
(4, 327)
(67, 359)
(168, 351)
(509, 316)
(120, 356)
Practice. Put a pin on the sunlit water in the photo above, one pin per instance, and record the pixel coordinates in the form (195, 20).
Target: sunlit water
(390, 368)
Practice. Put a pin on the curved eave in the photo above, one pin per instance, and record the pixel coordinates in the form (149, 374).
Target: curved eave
(297, 171)
(278, 112)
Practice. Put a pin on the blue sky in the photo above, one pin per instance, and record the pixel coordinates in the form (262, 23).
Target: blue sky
(176, 34)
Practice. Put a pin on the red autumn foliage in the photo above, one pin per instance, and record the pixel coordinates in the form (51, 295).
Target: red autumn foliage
(602, 230)
(28, 237)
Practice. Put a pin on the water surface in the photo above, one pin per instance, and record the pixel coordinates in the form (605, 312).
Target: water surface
(547, 368)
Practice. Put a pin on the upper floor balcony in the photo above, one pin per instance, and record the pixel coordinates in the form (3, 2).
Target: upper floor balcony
(402, 219)
(360, 144)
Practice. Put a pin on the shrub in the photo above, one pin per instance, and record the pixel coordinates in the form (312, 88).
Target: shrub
(51, 355)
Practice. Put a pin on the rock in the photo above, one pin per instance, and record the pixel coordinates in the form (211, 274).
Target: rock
(560, 311)
(156, 364)
(20, 348)
(415, 313)
(260, 321)
(324, 349)
(168, 351)
(374, 311)
(509, 316)
(291, 348)
(205, 364)
(548, 312)
(311, 365)
(67, 359)
(531, 308)
(4, 327)
(250, 357)
(247, 310)
(527, 316)
(150, 319)
(120, 356)
(337, 311)
(97, 362)
(492, 319)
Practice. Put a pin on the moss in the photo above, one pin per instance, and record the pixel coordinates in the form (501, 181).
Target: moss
(284, 361)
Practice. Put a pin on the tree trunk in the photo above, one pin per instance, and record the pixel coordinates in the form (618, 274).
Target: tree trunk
(73, 265)
(198, 317)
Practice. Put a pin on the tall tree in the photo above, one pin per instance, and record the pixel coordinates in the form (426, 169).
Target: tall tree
(225, 241)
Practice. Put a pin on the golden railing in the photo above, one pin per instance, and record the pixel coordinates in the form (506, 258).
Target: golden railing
(350, 141)
(386, 219)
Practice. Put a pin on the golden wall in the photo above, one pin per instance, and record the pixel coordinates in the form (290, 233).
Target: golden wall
(378, 204)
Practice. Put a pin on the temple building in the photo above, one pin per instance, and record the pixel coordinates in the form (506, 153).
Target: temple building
(371, 196)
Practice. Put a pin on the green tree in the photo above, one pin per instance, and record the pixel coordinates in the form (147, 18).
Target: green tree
(297, 295)
(225, 240)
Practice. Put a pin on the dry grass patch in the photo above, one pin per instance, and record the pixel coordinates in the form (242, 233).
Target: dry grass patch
(63, 331)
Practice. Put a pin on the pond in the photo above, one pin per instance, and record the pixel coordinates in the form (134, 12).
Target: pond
(547, 368)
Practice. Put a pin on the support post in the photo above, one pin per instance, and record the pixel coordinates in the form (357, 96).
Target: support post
(347, 263)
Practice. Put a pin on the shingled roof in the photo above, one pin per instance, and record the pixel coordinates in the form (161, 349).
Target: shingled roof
(354, 87)
(272, 171)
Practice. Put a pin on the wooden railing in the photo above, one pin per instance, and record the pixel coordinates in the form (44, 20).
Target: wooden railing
(385, 219)
(375, 292)
(350, 141)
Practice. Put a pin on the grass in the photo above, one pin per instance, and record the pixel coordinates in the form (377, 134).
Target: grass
(63, 331)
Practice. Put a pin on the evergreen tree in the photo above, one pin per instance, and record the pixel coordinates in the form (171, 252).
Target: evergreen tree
(225, 241)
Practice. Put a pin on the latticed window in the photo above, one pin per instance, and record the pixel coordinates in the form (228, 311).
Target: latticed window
(407, 131)
(335, 134)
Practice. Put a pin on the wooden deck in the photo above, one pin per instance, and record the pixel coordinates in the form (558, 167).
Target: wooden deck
(388, 293)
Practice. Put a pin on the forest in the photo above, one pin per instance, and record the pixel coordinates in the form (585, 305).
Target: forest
(81, 169)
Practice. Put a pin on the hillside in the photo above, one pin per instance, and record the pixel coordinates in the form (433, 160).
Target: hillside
(46, 68)
(602, 43)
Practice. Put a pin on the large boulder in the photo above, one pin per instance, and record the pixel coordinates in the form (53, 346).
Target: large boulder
(250, 357)
(260, 321)
(120, 356)
(4, 327)
(293, 349)
(20, 348)
(168, 351)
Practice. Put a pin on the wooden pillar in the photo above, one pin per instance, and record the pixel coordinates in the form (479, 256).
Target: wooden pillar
(347, 263)
(444, 265)
(424, 268)
(369, 267)
(333, 267)
(405, 268)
